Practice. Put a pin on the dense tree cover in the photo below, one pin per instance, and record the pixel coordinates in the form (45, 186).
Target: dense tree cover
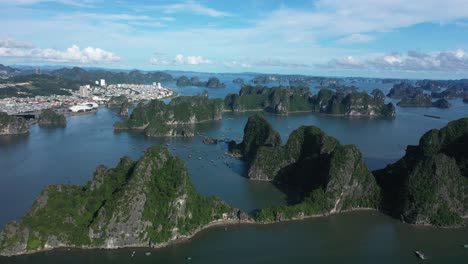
(284, 100)
(49, 117)
(147, 202)
(429, 184)
(174, 119)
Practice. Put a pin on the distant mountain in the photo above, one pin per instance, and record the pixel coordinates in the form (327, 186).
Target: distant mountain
(134, 76)
(6, 71)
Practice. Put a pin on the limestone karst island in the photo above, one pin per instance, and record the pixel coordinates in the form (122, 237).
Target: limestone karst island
(190, 131)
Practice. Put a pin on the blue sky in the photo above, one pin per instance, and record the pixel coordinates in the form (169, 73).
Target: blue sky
(385, 38)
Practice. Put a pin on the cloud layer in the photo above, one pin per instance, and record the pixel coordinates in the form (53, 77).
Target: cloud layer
(181, 60)
(446, 61)
(73, 54)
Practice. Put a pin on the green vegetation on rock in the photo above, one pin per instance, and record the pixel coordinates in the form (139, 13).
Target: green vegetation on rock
(50, 118)
(158, 119)
(429, 184)
(143, 203)
(325, 176)
(10, 125)
(284, 100)
(212, 82)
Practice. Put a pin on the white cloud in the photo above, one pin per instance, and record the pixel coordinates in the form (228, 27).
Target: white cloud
(192, 7)
(181, 60)
(446, 61)
(12, 44)
(72, 54)
(355, 38)
(235, 64)
(76, 3)
(279, 63)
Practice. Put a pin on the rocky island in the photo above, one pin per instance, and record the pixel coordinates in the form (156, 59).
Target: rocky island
(147, 203)
(11, 125)
(212, 82)
(121, 103)
(284, 100)
(50, 118)
(325, 176)
(427, 186)
(423, 100)
(158, 119)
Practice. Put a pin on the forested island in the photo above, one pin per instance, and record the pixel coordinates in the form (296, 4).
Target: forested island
(284, 100)
(152, 203)
(50, 118)
(146, 203)
(427, 186)
(212, 82)
(11, 125)
(158, 119)
(414, 96)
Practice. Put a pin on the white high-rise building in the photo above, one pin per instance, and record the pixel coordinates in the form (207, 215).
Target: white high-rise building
(84, 91)
(103, 82)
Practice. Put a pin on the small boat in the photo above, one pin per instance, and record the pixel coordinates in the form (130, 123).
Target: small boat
(432, 116)
(188, 258)
(133, 254)
(465, 246)
(148, 253)
(420, 255)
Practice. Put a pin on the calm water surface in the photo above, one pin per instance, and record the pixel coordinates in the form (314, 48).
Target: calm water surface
(70, 155)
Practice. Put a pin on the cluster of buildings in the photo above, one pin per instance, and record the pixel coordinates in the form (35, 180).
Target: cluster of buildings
(16, 105)
(87, 98)
(134, 92)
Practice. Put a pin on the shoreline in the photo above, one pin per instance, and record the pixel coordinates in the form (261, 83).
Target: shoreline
(215, 223)
(186, 238)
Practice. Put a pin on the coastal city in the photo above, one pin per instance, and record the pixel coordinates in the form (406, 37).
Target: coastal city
(88, 97)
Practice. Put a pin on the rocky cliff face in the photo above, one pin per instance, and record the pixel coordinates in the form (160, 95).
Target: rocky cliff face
(157, 119)
(257, 132)
(326, 176)
(10, 125)
(429, 184)
(145, 203)
(50, 118)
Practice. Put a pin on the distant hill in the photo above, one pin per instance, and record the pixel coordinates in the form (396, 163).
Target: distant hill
(135, 76)
(6, 71)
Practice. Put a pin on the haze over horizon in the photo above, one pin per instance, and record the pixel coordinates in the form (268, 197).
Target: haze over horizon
(388, 38)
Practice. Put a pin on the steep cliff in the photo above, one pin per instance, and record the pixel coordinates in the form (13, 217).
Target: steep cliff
(257, 132)
(10, 125)
(50, 118)
(146, 203)
(158, 119)
(324, 176)
(429, 184)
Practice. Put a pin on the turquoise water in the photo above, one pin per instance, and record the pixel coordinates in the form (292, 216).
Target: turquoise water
(70, 155)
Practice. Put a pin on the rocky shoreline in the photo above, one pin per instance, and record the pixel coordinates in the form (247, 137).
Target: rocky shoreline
(194, 233)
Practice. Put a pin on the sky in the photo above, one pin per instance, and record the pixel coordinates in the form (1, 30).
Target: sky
(368, 38)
